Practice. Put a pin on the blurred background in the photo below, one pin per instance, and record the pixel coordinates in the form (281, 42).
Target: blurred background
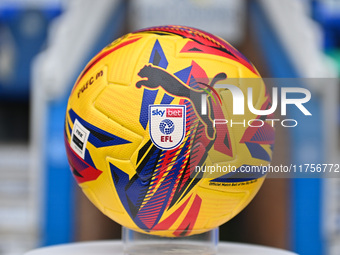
(44, 45)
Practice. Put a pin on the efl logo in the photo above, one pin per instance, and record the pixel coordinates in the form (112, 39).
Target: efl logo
(167, 125)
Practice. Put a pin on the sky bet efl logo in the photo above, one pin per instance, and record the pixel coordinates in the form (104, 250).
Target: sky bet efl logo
(167, 125)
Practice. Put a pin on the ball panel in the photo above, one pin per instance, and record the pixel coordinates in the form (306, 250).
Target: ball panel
(124, 58)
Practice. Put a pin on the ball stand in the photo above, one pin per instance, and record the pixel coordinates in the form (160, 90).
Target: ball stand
(135, 243)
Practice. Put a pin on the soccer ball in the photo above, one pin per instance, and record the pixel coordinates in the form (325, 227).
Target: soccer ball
(151, 137)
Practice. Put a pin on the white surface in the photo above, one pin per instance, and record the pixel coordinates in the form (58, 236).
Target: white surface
(116, 248)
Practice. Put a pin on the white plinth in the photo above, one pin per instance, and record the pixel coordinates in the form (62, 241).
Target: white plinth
(116, 248)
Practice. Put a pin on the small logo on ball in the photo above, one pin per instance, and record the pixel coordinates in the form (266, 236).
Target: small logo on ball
(167, 125)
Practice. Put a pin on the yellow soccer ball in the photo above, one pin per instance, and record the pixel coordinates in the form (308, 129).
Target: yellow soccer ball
(151, 135)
